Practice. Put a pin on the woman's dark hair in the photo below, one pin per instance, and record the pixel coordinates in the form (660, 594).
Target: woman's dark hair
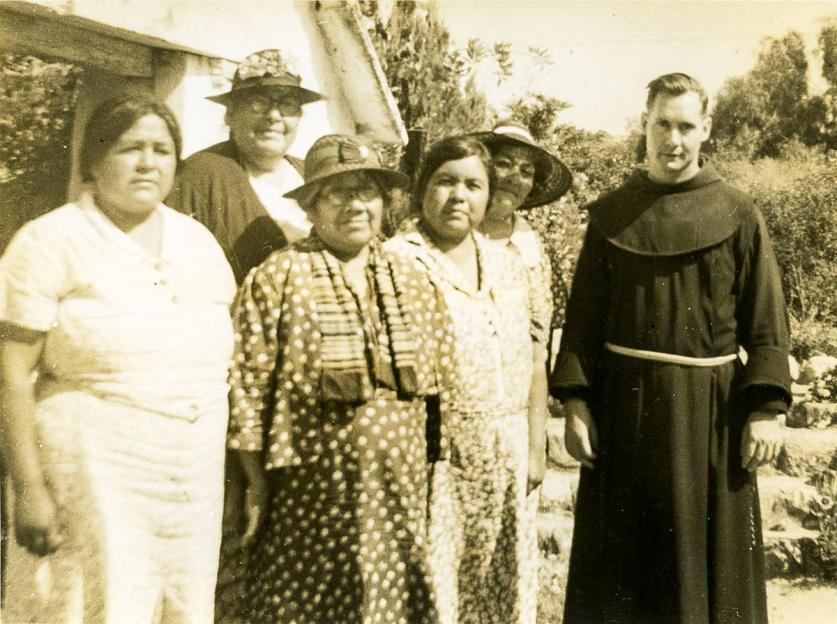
(451, 148)
(112, 118)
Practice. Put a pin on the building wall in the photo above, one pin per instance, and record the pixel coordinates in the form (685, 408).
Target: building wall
(231, 30)
(221, 28)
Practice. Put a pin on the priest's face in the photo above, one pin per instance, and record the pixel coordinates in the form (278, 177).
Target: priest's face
(675, 127)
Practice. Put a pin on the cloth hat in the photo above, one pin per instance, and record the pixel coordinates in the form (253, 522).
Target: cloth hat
(334, 154)
(552, 177)
(266, 69)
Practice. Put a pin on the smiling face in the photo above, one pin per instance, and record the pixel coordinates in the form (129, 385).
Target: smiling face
(137, 172)
(347, 212)
(263, 123)
(515, 178)
(675, 127)
(455, 198)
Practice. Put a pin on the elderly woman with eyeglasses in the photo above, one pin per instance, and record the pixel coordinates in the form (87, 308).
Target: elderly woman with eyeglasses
(340, 347)
(236, 188)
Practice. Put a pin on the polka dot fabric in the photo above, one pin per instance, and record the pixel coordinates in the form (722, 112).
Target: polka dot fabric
(345, 537)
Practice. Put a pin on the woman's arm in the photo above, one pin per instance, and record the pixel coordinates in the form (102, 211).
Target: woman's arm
(36, 522)
(256, 494)
(537, 417)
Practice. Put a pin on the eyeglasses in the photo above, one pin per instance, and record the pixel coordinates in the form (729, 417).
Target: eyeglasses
(287, 106)
(338, 196)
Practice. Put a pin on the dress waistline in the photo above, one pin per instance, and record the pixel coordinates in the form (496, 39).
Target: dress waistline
(671, 358)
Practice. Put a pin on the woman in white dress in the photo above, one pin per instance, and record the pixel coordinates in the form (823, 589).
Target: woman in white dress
(114, 348)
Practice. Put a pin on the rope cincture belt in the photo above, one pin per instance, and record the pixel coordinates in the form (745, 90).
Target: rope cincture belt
(671, 358)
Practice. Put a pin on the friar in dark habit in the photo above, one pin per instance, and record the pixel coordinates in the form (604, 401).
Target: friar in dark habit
(668, 418)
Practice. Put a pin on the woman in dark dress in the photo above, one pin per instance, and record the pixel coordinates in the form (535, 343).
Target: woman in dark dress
(338, 347)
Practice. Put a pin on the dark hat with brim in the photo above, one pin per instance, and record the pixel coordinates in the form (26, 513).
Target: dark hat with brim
(266, 69)
(335, 154)
(552, 177)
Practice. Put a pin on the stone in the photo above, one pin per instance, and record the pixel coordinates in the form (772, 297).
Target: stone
(791, 552)
(807, 451)
(815, 367)
(812, 415)
(555, 533)
(785, 500)
(793, 365)
(558, 490)
(557, 455)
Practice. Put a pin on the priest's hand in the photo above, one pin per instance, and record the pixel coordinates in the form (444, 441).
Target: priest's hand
(580, 435)
(761, 440)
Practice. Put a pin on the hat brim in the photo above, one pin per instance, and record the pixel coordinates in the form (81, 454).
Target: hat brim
(387, 178)
(306, 96)
(552, 177)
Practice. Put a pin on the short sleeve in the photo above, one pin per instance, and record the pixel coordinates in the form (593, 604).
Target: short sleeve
(32, 278)
(256, 320)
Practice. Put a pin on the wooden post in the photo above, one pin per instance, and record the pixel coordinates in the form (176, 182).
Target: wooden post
(411, 161)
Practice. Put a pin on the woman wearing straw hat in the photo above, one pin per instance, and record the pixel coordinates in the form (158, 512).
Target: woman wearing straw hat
(236, 187)
(339, 347)
(527, 176)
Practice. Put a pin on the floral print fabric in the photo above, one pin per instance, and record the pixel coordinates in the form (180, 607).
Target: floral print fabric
(483, 538)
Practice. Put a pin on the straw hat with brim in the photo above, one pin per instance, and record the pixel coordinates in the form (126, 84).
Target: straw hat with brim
(552, 177)
(265, 69)
(335, 154)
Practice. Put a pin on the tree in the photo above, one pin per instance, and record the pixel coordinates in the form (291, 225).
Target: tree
(757, 114)
(430, 79)
(36, 103)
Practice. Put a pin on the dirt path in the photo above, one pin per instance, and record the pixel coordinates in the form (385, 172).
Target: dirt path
(801, 602)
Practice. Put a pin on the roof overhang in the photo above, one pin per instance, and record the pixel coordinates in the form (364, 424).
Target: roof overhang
(362, 78)
(55, 30)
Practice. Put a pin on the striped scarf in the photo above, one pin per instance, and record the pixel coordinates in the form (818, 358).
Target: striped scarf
(348, 347)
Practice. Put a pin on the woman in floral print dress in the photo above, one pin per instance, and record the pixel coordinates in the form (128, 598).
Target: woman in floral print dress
(479, 496)
(338, 347)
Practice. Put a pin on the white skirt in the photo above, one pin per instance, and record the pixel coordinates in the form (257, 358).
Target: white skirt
(140, 499)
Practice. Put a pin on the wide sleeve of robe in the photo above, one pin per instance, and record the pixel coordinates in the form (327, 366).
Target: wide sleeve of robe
(761, 317)
(582, 340)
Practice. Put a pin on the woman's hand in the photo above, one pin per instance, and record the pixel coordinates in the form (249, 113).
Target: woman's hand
(580, 436)
(537, 467)
(761, 440)
(255, 508)
(256, 495)
(36, 521)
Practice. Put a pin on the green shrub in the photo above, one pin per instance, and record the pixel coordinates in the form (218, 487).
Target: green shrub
(561, 228)
(798, 196)
(824, 508)
(810, 338)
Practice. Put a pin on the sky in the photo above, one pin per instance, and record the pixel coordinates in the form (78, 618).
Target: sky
(603, 53)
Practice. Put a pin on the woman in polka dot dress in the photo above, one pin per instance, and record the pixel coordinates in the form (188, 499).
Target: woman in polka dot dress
(339, 348)
(483, 538)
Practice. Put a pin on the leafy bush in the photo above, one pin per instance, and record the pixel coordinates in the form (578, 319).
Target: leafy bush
(561, 228)
(36, 104)
(810, 338)
(798, 196)
(823, 388)
(824, 508)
